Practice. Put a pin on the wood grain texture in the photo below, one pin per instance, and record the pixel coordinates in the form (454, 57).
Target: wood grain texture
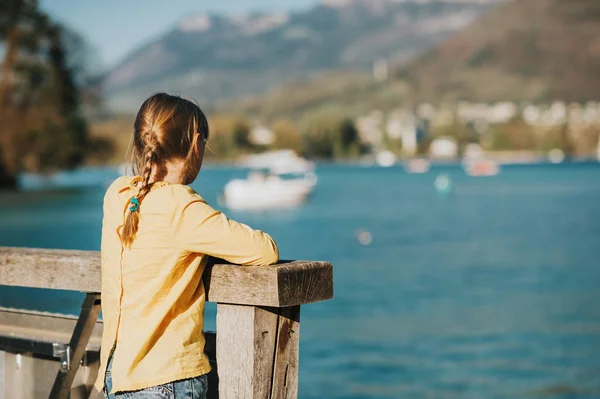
(257, 318)
(245, 351)
(241, 285)
(285, 366)
(58, 328)
(44, 327)
(49, 268)
(283, 285)
(302, 282)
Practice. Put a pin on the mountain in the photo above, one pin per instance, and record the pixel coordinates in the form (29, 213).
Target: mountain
(524, 50)
(539, 50)
(213, 57)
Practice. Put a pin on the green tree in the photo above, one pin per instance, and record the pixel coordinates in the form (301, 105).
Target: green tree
(348, 134)
(241, 135)
(350, 143)
(319, 143)
(43, 128)
(286, 135)
(322, 135)
(512, 136)
(220, 144)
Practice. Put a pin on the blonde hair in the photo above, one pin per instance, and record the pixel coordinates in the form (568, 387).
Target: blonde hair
(165, 129)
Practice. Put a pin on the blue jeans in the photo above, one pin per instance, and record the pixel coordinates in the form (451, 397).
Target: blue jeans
(191, 388)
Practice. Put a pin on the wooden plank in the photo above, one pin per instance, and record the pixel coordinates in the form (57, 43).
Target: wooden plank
(49, 268)
(285, 367)
(241, 285)
(56, 328)
(79, 340)
(283, 285)
(44, 327)
(303, 282)
(245, 351)
(39, 328)
(53, 327)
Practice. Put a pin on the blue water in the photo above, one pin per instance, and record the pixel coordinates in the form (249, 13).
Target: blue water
(491, 292)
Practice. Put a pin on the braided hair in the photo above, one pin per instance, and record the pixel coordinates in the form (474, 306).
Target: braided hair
(166, 128)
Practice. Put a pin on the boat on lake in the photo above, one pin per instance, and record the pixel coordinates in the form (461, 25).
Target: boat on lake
(418, 165)
(277, 179)
(260, 191)
(556, 156)
(476, 164)
(385, 159)
(482, 167)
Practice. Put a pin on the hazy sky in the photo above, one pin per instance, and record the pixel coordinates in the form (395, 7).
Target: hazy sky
(115, 27)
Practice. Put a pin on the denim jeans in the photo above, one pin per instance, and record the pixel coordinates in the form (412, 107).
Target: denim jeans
(191, 388)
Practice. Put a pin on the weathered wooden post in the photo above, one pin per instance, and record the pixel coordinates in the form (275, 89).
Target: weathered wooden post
(258, 320)
(258, 324)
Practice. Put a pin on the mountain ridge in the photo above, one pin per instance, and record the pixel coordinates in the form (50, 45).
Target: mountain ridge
(215, 56)
(536, 50)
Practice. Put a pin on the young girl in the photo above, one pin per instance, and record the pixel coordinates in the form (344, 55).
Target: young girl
(157, 234)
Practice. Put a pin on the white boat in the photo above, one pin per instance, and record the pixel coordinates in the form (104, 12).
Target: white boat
(385, 159)
(278, 162)
(556, 156)
(475, 163)
(260, 192)
(419, 165)
(481, 167)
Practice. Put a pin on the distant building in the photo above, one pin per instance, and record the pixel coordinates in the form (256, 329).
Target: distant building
(591, 113)
(443, 147)
(426, 111)
(502, 112)
(473, 151)
(260, 135)
(498, 113)
(403, 125)
(532, 115)
(370, 128)
(558, 112)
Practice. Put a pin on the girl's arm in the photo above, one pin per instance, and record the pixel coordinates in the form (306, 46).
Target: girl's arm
(205, 230)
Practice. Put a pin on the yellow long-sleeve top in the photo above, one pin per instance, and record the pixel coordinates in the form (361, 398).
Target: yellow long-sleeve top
(152, 294)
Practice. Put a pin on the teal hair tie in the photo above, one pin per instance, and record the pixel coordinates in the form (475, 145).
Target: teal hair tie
(135, 204)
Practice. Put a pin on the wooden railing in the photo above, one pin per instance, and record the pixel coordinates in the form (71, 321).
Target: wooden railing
(254, 353)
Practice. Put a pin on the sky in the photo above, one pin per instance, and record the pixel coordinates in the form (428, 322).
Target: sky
(113, 28)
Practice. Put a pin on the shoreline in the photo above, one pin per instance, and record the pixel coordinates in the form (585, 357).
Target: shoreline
(98, 175)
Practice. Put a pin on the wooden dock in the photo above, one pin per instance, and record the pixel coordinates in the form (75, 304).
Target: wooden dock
(254, 353)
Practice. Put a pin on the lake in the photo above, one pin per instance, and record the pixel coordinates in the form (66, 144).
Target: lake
(491, 292)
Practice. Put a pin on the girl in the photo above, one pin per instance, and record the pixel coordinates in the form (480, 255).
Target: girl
(156, 236)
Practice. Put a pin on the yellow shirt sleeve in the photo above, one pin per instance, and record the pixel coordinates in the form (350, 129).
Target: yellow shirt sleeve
(205, 230)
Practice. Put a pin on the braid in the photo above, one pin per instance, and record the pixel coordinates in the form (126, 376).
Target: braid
(166, 128)
(132, 219)
(149, 158)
